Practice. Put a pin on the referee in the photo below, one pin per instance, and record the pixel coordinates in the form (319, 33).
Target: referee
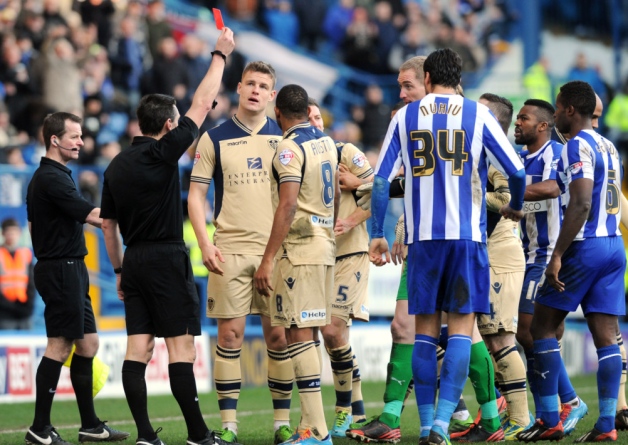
(56, 214)
(142, 198)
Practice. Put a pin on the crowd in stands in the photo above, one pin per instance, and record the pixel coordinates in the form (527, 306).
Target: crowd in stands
(96, 58)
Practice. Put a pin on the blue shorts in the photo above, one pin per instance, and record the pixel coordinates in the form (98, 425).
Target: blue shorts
(593, 273)
(449, 276)
(535, 276)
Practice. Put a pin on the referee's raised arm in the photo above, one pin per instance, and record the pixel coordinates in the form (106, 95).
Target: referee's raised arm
(210, 85)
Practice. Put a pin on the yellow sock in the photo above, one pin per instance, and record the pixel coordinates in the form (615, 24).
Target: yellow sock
(280, 381)
(317, 345)
(357, 401)
(510, 373)
(228, 380)
(342, 369)
(308, 378)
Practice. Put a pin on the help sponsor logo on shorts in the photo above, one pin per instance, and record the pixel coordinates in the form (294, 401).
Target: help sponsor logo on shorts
(534, 206)
(322, 221)
(286, 156)
(314, 314)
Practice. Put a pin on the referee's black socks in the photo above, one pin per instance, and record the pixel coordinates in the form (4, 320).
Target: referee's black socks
(46, 381)
(134, 384)
(82, 376)
(183, 386)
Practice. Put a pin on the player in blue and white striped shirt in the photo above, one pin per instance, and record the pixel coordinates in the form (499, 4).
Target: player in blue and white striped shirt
(540, 227)
(586, 267)
(445, 143)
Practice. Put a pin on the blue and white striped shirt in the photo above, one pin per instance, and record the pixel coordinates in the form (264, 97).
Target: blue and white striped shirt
(541, 224)
(591, 156)
(445, 143)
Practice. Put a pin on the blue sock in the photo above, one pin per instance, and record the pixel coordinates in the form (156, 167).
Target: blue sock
(566, 392)
(498, 394)
(532, 384)
(608, 375)
(424, 374)
(453, 376)
(547, 362)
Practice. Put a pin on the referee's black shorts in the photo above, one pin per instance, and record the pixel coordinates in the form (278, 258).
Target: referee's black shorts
(64, 286)
(160, 297)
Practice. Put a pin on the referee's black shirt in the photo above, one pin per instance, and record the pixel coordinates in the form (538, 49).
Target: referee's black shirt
(56, 212)
(141, 188)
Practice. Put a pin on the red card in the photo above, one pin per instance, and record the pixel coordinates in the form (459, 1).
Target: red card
(218, 18)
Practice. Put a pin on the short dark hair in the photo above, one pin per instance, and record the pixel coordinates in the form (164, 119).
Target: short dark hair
(261, 67)
(153, 112)
(546, 110)
(292, 101)
(579, 95)
(54, 125)
(501, 108)
(311, 102)
(9, 222)
(445, 67)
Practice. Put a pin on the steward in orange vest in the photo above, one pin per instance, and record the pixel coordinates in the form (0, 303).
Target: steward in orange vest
(17, 287)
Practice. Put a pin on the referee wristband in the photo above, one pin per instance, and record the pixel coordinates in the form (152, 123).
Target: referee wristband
(117, 270)
(219, 53)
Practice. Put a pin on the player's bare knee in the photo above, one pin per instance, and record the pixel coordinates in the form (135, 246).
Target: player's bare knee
(230, 337)
(276, 339)
(402, 330)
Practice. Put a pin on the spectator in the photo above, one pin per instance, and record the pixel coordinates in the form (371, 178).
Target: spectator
(388, 35)
(157, 27)
(195, 61)
(9, 135)
(361, 41)
(16, 78)
(31, 25)
(108, 151)
(375, 118)
(282, 22)
(337, 19)
(585, 72)
(311, 15)
(537, 82)
(169, 74)
(411, 44)
(62, 77)
(617, 120)
(100, 14)
(17, 287)
(127, 61)
(55, 24)
(12, 184)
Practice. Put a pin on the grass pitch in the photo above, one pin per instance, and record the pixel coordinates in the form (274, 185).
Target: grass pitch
(254, 413)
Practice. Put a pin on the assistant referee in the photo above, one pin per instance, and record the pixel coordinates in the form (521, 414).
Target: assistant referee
(56, 214)
(142, 197)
